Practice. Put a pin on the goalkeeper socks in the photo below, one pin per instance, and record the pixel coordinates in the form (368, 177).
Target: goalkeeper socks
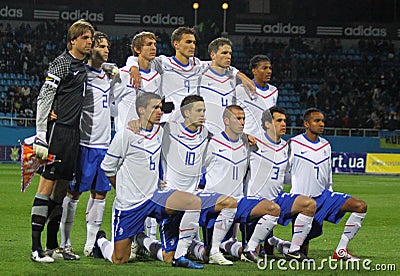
(353, 224)
(39, 214)
(263, 228)
(67, 219)
(301, 228)
(53, 224)
(94, 219)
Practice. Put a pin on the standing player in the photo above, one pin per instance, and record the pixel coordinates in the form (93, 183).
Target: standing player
(144, 48)
(180, 73)
(183, 148)
(265, 97)
(311, 175)
(131, 164)
(64, 91)
(266, 178)
(226, 166)
(95, 137)
(217, 84)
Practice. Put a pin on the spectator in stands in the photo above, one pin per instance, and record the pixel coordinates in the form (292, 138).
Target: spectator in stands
(25, 91)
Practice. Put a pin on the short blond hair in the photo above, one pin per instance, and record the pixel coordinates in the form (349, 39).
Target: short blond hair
(77, 29)
(138, 41)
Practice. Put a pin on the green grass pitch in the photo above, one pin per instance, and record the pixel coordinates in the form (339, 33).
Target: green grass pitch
(378, 240)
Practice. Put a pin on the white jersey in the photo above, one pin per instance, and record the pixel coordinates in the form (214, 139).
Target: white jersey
(226, 165)
(310, 166)
(95, 125)
(255, 105)
(268, 166)
(178, 80)
(183, 152)
(134, 159)
(217, 91)
(125, 95)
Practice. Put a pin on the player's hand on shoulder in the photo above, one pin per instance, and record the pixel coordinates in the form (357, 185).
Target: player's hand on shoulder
(252, 140)
(40, 146)
(134, 125)
(135, 77)
(248, 85)
(111, 69)
(163, 185)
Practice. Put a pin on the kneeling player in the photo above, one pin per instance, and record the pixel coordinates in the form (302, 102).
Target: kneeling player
(131, 164)
(311, 172)
(268, 164)
(226, 165)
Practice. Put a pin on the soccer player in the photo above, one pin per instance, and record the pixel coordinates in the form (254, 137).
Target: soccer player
(265, 97)
(311, 175)
(131, 164)
(64, 91)
(144, 48)
(183, 148)
(226, 165)
(266, 177)
(217, 84)
(180, 73)
(95, 137)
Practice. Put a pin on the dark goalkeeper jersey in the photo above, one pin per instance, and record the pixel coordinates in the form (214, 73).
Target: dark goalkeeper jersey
(63, 90)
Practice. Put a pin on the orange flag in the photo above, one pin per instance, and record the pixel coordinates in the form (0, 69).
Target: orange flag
(30, 164)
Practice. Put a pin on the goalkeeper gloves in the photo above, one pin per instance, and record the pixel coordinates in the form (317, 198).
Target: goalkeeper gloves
(40, 145)
(110, 68)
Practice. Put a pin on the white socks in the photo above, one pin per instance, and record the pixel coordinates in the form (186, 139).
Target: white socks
(302, 226)
(69, 209)
(94, 219)
(261, 231)
(154, 247)
(353, 224)
(151, 227)
(232, 247)
(197, 249)
(106, 247)
(222, 224)
(187, 230)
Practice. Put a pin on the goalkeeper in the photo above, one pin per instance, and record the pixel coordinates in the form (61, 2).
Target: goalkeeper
(63, 91)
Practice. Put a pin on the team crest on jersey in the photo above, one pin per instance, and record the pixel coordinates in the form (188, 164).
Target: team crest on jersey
(325, 153)
(285, 154)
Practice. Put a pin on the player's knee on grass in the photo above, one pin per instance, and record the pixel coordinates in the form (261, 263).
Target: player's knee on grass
(122, 251)
(168, 256)
(119, 259)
